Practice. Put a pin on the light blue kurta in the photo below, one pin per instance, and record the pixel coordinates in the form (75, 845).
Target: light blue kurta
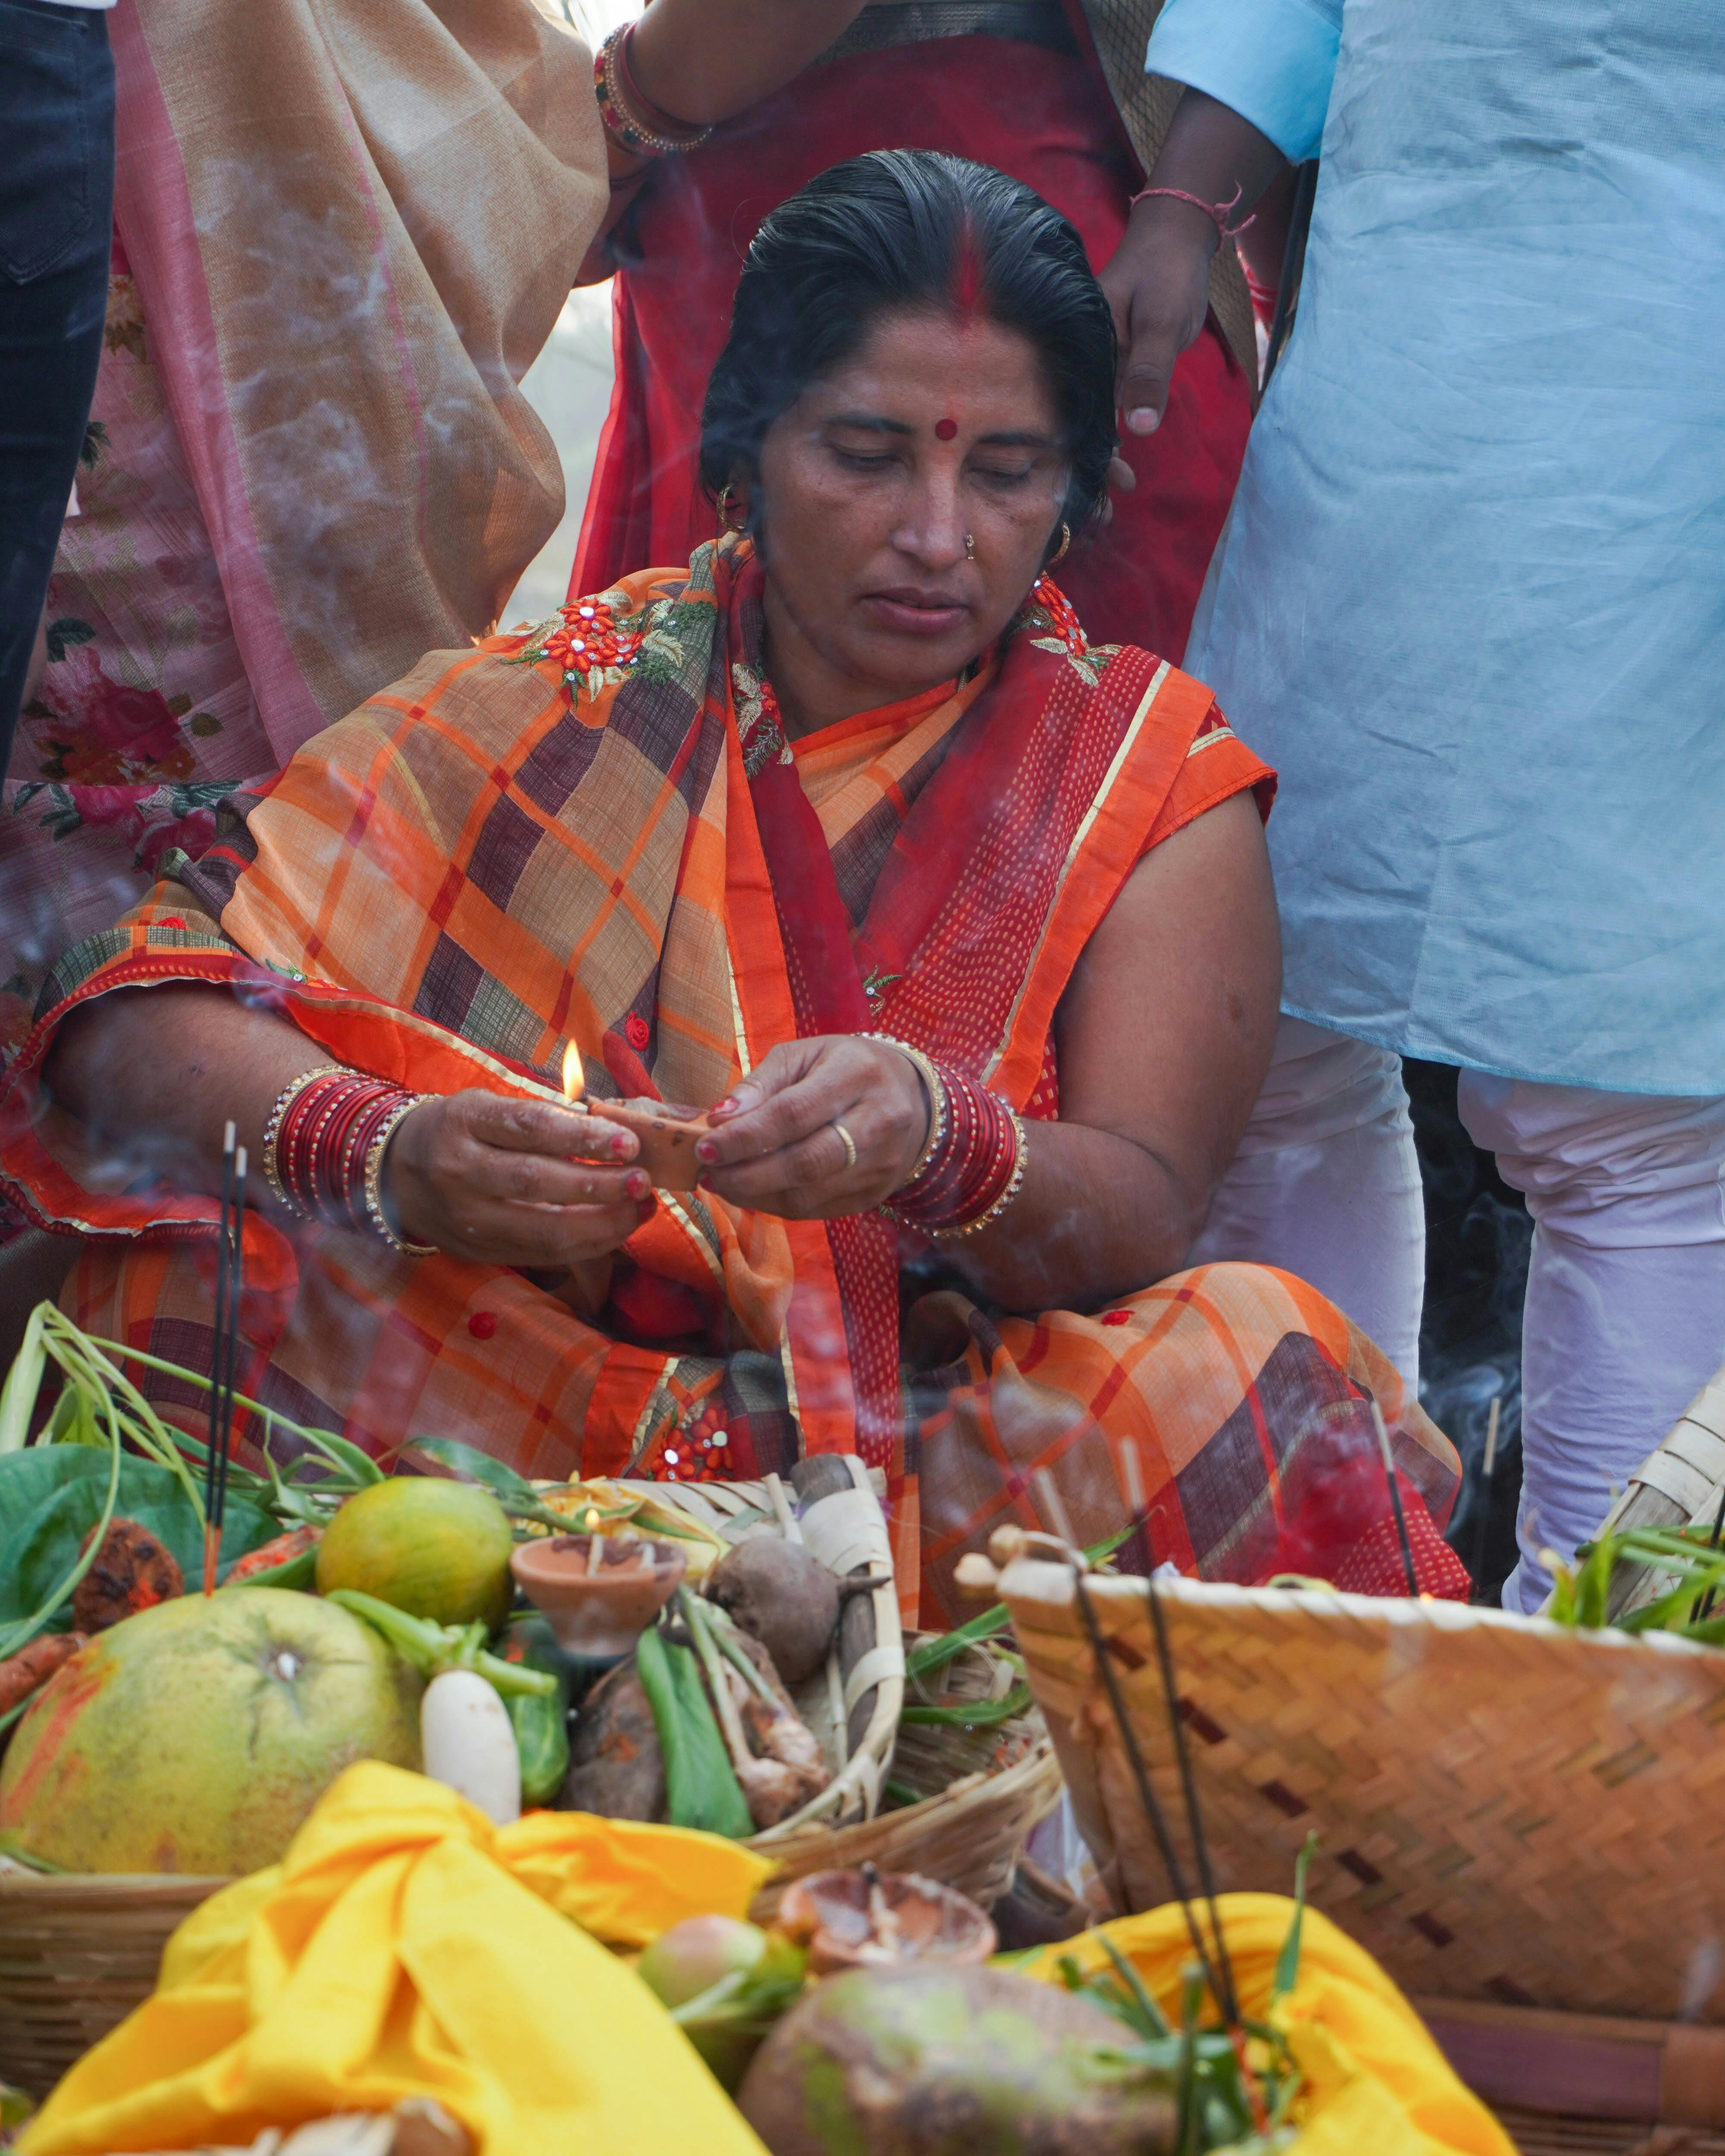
(1470, 600)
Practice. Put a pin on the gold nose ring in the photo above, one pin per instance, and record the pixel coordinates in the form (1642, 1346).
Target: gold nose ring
(969, 547)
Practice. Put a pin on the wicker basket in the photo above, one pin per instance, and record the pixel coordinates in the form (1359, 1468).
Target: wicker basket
(983, 1800)
(76, 1955)
(1505, 1809)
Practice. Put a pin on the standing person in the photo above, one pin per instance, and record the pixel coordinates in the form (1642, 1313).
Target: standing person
(56, 201)
(720, 110)
(1469, 602)
(340, 236)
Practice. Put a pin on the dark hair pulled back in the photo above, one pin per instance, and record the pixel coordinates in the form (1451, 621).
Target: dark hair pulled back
(918, 231)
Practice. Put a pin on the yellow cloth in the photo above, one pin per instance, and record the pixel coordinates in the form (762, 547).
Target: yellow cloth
(404, 1947)
(1377, 2082)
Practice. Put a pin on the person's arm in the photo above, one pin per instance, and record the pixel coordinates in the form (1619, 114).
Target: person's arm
(1163, 1039)
(1258, 75)
(154, 1075)
(703, 61)
(706, 60)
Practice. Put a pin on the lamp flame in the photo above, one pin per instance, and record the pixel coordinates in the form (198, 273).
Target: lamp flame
(574, 1078)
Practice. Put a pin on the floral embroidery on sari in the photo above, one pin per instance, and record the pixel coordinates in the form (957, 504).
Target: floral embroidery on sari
(596, 642)
(1048, 608)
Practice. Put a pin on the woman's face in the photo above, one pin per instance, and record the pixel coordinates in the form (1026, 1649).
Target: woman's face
(869, 485)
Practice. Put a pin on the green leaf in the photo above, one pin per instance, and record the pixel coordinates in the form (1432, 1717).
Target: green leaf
(51, 1497)
(472, 1465)
(23, 1381)
(1287, 1962)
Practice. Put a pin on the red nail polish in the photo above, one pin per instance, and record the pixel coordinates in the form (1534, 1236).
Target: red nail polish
(637, 1185)
(706, 1150)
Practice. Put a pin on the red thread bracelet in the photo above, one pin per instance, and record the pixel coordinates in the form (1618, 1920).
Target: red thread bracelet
(1217, 212)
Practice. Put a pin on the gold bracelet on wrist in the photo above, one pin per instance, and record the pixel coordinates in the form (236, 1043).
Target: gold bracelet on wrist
(928, 1071)
(272, 1134)
(631, 130)
(374, 1183)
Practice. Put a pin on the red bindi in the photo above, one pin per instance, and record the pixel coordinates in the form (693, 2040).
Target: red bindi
(946, 428)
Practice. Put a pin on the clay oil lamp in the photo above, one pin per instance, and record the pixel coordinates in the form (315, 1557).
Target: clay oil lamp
(870, 1919)
(597, 1592)
(667, 1132)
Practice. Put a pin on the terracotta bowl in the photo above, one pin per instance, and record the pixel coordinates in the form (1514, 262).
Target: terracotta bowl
(870, 1919)
(600, 1612)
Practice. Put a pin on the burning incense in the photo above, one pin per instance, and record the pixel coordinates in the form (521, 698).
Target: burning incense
(1486, 1472)
(211, 1476)
(1395, 1499)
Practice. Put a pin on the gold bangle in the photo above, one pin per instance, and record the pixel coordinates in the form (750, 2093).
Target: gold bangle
(374, 1183)
(272, 1132)
(618, 115)
(928, 1070)
(1021, 1161)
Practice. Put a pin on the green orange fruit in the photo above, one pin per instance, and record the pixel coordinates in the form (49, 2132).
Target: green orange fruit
(196, 1736)
(435, 1548)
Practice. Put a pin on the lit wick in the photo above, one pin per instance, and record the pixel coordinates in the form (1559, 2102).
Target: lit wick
(574, 1077)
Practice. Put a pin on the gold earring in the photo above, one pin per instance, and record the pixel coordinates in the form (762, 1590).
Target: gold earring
(969, 547)
(1065, 542)
(722, 503)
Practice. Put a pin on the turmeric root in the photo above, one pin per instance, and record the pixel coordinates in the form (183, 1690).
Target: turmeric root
(31, 1667)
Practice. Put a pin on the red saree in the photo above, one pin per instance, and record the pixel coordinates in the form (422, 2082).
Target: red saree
(511, 850)
(1045, 117)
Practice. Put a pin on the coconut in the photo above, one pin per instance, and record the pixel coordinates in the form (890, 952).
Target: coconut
(196, 1736)
(944, 2060)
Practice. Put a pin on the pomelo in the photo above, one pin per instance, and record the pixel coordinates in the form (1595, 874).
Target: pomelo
(434, 1548)
(196, 1737)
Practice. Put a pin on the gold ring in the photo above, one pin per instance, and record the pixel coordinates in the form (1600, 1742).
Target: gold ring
(848, 1143)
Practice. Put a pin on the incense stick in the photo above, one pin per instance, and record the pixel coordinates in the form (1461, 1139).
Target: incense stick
(1484, 1496)
(1395, 1498)
(213, 1423)
(1147, 1795)
(236, 1263)
(1188, 1789)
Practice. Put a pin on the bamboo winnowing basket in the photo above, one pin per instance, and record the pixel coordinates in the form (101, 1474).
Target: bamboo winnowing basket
(1505, 1810)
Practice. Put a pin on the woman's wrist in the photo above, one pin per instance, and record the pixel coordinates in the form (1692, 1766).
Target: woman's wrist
(973, 1159)
(324, 1145)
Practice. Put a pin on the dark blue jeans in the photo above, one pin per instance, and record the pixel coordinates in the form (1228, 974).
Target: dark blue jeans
(56, 218)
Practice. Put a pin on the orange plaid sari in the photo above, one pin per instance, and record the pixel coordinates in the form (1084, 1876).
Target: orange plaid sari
(594, 833)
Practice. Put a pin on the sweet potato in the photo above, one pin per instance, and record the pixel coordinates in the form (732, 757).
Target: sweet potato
(615, 1765)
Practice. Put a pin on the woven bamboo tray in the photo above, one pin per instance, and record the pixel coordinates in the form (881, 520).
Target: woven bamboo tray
(76, 1955)
(1506, 1810)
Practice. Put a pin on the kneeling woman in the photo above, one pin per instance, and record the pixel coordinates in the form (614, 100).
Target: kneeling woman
(961, 926)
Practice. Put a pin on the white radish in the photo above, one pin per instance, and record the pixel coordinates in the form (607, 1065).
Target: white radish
(468, 1743)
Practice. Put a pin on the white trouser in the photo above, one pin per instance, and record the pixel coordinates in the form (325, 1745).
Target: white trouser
(1326, 1184)
(1625, 1318)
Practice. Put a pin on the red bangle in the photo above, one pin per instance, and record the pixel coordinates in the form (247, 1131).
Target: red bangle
(325, 1138)
(973, 1172)
(1217, 212)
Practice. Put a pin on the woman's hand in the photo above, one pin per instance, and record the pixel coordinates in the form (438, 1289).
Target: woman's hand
(514, 1182)
(776, 1145)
